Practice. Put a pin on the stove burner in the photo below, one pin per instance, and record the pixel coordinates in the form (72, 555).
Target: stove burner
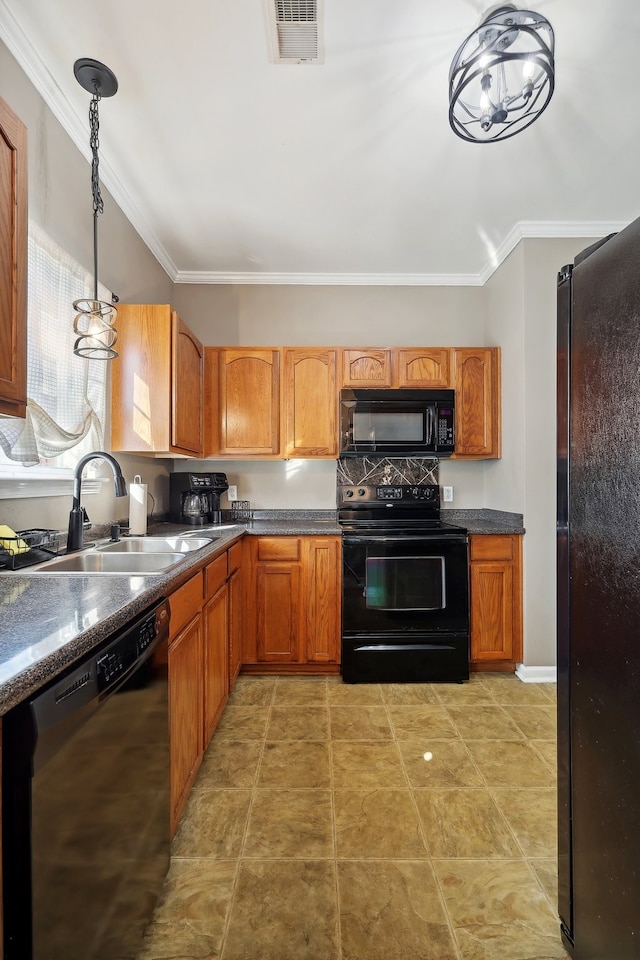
(402, 508)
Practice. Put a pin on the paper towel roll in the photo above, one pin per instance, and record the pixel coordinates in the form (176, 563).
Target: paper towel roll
(138, 507)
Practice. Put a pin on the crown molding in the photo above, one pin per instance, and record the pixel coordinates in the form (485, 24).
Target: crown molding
(16, 40)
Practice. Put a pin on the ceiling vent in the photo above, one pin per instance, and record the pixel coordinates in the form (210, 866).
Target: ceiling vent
(296, 30)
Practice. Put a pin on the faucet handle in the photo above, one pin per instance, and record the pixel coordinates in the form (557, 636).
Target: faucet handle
(86, 522)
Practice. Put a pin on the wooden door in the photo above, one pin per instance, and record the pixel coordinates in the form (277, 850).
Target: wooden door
(249, 402)
(278, 603)
(367, 367)
(13, 263)
(187, 361)
(310, 402)
(477, 386)
(424, 368)
(496, 599)
(322, 599)
(185, 713)
(216, 659)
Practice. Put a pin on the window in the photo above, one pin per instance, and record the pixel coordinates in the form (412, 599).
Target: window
(66, 395)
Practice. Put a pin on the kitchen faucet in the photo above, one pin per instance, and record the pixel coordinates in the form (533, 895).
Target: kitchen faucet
(74, 536)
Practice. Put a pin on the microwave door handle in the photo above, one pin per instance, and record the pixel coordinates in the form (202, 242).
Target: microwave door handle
(432, 419)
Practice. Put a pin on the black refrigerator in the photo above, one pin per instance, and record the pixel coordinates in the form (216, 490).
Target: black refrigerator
(598, 535)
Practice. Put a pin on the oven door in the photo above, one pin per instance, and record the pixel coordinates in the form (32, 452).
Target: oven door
(405, 584)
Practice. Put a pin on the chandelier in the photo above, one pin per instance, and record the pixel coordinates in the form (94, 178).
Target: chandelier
(502, 77)
(95, 318)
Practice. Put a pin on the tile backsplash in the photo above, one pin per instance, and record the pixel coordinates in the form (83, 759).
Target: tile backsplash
(385, 471)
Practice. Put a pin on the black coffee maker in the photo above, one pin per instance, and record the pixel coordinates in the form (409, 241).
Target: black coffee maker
(195, 497)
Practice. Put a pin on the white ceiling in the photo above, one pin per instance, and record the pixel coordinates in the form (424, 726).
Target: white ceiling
(233, 168)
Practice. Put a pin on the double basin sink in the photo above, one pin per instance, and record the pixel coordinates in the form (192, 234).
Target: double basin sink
(131, 556)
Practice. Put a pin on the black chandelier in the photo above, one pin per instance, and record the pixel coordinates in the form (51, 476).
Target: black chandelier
(502, 77)
(95, 319)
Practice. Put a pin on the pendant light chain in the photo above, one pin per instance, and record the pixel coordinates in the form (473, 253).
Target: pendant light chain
(94, 143)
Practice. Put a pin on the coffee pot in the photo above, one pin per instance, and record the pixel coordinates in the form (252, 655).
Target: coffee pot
(195, 507)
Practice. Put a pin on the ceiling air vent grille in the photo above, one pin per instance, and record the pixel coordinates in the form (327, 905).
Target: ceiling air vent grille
(296, 31)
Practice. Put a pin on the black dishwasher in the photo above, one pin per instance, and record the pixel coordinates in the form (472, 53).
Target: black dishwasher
(85, 818)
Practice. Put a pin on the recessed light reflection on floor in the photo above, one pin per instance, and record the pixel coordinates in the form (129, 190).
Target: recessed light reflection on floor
(427, 756)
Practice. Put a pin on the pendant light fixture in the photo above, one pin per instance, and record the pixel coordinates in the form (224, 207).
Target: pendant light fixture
(502, 77)
(95, 319)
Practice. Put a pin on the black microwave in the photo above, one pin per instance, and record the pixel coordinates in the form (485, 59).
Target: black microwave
(403, 423)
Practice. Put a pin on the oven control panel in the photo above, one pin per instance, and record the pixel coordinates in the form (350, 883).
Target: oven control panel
(423, 494)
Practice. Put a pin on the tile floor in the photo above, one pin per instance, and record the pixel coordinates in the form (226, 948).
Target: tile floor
(369, 822)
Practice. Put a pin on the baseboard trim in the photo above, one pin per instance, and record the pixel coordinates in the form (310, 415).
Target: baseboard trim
(535, 674)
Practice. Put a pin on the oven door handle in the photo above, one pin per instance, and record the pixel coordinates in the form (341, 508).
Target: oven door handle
(408, 537)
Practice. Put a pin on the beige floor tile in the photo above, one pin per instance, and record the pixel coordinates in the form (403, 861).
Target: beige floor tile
(536, 721)
(242, 723)
(179, 940)
(532, 815)
(363, 819)
(361, 764)
(508, 763)
(198, 890)
(449, 765)
(230, 763)
(300, 691)
(548, 750)
(360, 723)
(430, 720)
(391, 910)
(298, 723)
(409, 694)
(507, 688)
(473, 691)
(464, 823)
(499, 911)
(213, 824)
(362, 694)
(290, 823)
(252, 691)
(550, 691)
(483, 722)
(547, 873)
(283, 910)
(295, 763)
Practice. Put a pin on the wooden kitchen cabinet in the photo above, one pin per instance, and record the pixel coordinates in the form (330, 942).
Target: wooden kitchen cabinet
(424, 368)
(476, 380)
(367, 367)
(186, 692)
(236, 555)
(495, 586)
(243, 402)
(216, 659)
(156, 384)
(310, 396)
(293, 611)
(13, 264)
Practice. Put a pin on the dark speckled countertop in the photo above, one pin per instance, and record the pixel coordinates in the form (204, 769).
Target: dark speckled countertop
(48, 621)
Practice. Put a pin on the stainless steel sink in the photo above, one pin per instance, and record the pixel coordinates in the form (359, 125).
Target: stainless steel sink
(147, 545)
(112, 563)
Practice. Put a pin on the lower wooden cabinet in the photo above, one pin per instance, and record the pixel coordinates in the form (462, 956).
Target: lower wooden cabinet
(292, 619)
(496, 601)
(216, 659)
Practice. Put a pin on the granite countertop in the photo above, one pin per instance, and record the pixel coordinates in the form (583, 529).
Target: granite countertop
(49, 621)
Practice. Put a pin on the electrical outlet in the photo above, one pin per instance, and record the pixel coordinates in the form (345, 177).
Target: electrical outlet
(232, 492)
(447, 494)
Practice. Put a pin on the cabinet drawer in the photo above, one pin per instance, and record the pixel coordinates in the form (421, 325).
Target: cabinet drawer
(215, 575)
(279, 548)
(185, 603)
(492, 547)
(234, 555)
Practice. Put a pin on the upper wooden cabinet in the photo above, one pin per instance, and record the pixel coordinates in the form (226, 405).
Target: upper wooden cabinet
(156, 383)
(476, 380)
(248, 405)
(367, 367)
(310, 402)
(13, 264)
(424, 368)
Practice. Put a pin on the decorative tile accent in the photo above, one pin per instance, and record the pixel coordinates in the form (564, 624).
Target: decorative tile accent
(385, 471)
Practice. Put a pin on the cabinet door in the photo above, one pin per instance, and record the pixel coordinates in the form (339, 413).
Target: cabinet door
(13, 263)
(424, 368)
(185, 713)
(187, 360)
(277, 600)
(367, 368)
(477, 386)
(496, 598)
(249, 402)
(322, 599)
(216, 660)
(236, 584)
(310, 395)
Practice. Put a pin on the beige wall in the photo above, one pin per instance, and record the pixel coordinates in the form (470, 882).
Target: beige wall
(60, 202)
